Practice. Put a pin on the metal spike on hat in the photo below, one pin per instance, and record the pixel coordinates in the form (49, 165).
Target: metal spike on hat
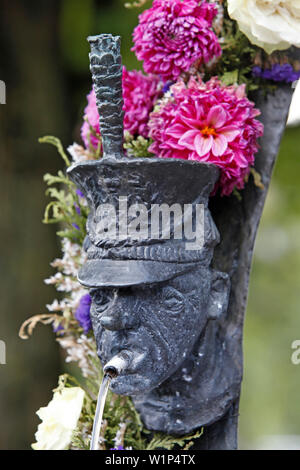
(107, 71)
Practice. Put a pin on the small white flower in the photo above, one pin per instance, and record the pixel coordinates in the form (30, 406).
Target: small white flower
(59, 420)
(270, 24)
(58, 277)
(119, 438)
(56, 306)
(80, 350)
(78, 153)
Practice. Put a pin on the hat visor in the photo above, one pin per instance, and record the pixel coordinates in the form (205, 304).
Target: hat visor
(125, 273)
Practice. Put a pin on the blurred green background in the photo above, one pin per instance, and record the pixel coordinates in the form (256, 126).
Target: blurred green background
(44, 63)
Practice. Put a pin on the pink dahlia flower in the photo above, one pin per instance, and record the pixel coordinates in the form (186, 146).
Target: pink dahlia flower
(140, 93)
(90, 130)
(173, 35)
(211, 123)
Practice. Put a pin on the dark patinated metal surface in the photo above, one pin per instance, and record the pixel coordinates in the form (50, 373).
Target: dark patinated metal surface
(153, 298)
(106, 68)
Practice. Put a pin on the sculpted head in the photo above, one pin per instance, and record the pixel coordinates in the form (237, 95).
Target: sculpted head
(156, 300)
(152, 297)
(158, 324)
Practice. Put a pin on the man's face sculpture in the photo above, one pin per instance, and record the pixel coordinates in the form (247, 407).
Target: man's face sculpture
(154, 300)
(152, 297)
(158, 324)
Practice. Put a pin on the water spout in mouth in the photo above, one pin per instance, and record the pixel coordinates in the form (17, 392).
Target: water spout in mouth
(118, 363)
(112, 369)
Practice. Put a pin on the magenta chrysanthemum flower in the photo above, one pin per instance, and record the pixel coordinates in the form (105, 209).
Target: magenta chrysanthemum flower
(173, 35)
(211, 123)
(140, 92)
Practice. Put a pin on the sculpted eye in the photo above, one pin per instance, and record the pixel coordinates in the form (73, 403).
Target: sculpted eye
(101, 297)
(173, 300)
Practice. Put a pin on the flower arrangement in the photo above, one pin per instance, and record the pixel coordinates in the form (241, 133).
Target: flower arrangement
(201, 60)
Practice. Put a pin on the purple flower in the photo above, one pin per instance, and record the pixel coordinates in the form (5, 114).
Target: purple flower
(76, 226)
(77, 208)
(268, 75)
(277, 73)
(82, 313)
(167, 86)
(117, 448)
(256, 71)
(57, 329)
(79, 193)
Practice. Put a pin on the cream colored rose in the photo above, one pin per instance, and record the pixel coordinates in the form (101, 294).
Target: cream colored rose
(59, 420)
(270, 24)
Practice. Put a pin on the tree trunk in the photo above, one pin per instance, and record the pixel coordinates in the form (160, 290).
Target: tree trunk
(238, 221)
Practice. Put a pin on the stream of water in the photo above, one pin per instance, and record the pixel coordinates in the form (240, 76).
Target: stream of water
(99, 412)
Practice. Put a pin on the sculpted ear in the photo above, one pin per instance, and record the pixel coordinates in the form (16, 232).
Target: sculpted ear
(219, 294)
(86, 243)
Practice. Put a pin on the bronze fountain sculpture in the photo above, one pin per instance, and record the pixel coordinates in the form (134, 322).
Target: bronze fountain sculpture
(168, 319)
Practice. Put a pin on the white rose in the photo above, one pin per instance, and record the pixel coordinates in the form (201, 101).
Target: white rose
(270, 24)
(59, 420)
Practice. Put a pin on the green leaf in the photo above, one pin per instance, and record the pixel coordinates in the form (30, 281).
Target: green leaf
(49, 139)
(230, 78)
(162, 441)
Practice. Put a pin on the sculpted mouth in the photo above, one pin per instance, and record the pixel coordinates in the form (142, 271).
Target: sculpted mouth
(130, 384)
(126, 362)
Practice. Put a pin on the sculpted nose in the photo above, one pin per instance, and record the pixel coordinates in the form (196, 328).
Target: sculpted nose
(118, 317)
(111, 323)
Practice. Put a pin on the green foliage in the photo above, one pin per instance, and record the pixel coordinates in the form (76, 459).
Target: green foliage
(136, 3)
(66, 207)
(238, 58)
(137, 147)
(161, 441)
(119, 410)
(236, 62)
(230, 77)
(49, 139)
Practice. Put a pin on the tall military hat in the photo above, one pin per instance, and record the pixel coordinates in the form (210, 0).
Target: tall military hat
(152, 183)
